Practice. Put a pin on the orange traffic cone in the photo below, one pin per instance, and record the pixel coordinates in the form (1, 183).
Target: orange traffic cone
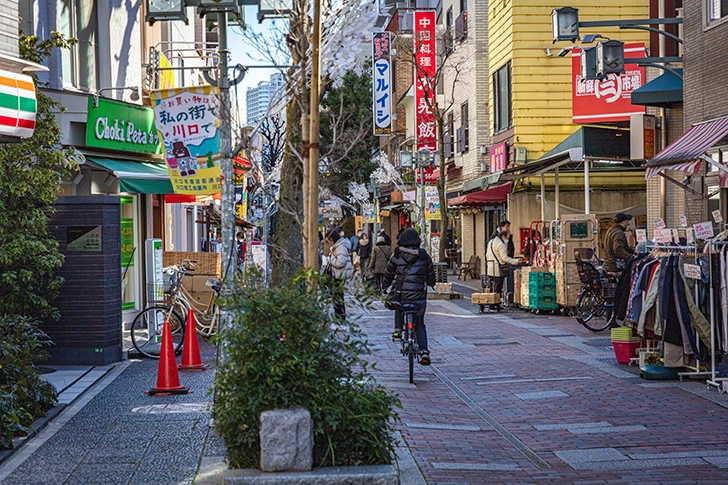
(167, 376)
(191, 361)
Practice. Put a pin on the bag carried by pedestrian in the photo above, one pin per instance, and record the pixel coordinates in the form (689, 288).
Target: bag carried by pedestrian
(396, 294)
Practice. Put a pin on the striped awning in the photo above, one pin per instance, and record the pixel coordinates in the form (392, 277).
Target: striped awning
(686, 153)
(17, 104)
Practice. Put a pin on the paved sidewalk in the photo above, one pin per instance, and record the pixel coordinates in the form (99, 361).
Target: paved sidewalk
(115, 434)
(520, 398)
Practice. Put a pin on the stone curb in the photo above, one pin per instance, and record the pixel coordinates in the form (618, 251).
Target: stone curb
(349, 475)
(35, 428)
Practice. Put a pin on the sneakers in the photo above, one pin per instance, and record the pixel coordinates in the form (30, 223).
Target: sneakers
(397, 336)
(425, 357)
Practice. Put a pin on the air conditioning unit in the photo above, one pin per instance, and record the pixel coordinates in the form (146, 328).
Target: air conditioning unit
(521, 155)
(485, 167)
(484, 150)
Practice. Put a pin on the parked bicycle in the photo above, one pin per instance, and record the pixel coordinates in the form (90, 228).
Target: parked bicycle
(170, 302)
(595, 303)
(410, 348)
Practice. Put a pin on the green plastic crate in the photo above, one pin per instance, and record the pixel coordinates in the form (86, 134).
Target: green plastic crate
(539, 278)
(543, 303)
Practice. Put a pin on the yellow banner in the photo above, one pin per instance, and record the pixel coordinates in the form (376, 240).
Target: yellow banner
(188, 123)
(432, 203)
(166, 78)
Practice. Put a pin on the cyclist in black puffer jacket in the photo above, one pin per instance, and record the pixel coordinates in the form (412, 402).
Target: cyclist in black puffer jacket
(414, 286)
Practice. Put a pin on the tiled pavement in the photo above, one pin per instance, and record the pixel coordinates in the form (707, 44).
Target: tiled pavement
(520, 398)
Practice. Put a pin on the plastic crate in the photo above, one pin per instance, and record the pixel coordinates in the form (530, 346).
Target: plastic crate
(542, 288)
(440, 272)
(626, 350)
(543, 303)
(541, 278)
(623, 334)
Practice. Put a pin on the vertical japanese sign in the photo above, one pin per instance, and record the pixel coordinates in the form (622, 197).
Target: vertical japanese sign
(382, 80)
(432, 203)
(425, 74)
(188, 121)
(368, 213)
(498, 155)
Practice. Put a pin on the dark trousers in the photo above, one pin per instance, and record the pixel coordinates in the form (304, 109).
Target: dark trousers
(337, 295)
(378, 279)
(419, 324)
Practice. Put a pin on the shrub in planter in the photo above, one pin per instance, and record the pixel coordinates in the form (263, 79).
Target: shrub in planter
(24, 396)
(282, 353)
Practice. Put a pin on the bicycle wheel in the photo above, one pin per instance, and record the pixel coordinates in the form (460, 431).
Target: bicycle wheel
(146, 331)
(411, 357)
(590, 311)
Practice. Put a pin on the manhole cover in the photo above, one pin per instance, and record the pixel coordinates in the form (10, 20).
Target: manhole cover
(190, 407)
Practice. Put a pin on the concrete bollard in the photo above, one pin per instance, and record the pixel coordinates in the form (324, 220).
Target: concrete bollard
(286, 440)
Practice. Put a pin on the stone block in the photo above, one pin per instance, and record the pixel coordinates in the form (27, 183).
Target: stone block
(347, 475)
(286, 440)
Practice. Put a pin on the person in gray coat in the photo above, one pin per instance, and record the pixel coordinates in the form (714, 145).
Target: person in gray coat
(378, 262)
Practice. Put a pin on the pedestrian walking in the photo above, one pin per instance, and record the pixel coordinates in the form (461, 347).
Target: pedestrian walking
(411, 270)
(387, 239)
(497, 261)
(365, 250)
(378, 262)
(340, 269)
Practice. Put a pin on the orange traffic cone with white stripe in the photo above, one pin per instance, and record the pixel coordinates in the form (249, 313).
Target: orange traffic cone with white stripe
(191, 360)
(167, 375)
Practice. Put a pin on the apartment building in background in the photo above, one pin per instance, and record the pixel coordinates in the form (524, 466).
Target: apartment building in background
(260, 97)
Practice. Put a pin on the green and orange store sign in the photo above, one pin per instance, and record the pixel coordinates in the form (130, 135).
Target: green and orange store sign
(18, 105)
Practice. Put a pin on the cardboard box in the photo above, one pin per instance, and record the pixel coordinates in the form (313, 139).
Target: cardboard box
(443, 288)
(486, 298)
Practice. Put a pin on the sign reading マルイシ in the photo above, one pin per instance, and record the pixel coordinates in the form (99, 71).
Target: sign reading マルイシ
(121, 126)
(382, 77)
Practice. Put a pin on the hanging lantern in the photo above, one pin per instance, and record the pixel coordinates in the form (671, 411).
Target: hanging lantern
(565, 24)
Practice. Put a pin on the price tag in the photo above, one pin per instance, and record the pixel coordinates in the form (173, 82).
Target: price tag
(676, 236)
(704, 230)
(689, 236)
(641, 235)
(717, 217)
(683, 221)
(692, 271)
(663, 236)
(660, 224)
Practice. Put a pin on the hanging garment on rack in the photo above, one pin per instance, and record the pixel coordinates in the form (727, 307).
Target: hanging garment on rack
(674, 356)
(698, 319)
(668, 311)
(644, 270)
(622, 292)
(649, 319)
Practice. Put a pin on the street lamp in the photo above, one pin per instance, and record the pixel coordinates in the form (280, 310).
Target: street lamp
(134, 96)
(165, 10)
(273, 9)
(588, 60)
(610, 58)
(565, 24)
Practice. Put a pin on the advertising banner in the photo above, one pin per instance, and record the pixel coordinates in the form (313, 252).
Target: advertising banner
(382, 79)
(425, 85)
(189, 124)
(611, 99)
(431, 175)
(369, 213)
(498, 155)
(121, 126)
(432, 203)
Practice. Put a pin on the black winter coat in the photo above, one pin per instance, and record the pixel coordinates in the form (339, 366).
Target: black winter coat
(420, 276)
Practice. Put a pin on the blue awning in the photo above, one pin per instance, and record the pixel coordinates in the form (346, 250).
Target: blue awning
(664, 91)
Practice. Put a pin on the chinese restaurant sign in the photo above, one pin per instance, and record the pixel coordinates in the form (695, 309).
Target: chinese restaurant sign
(611, 99)
(382, 78)
(187, 119)
(498, 158)
(425, 74)
(121, 126)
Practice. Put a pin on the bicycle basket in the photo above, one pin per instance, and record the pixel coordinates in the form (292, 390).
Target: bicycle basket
(609, 288)
(159, 293)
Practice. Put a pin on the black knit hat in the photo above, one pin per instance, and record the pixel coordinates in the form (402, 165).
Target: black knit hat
(409, 239)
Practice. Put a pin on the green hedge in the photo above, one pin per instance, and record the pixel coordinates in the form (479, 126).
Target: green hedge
(24, 396)
(282, 353)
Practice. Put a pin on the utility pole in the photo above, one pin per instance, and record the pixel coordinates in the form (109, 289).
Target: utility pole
(313, 150)
(229, 261)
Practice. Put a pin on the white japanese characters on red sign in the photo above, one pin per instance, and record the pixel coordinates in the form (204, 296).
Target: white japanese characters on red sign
(425, 80)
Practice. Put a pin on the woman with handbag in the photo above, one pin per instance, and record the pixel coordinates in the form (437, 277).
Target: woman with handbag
(410, 271)
(497, 261)
(341, 269)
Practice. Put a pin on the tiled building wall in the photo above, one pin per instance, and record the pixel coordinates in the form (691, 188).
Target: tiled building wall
(9, 27)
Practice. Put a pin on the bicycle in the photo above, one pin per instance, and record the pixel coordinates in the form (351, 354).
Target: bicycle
(595, 303)
(171, 302)
(410, 348)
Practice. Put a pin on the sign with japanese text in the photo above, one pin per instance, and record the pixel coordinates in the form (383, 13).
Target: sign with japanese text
(608, 100)
(432, 203)
(498, 158)
(188, 121)
(121, 126)
(692, 271)
(381, 83)
(689, 236)
(660, 224)
(425, 81)
(717, 217)
(676, 236)
(641, 235)
(368, 213)
(683, 221)
(663, 236)
(704, 230)
(431, 175)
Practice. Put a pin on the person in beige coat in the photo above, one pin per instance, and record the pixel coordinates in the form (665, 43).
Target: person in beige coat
(378, 261)
(497, 260)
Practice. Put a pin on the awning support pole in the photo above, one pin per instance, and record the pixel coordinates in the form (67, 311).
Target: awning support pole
(557, 212)
(587, 196)
(543, 198)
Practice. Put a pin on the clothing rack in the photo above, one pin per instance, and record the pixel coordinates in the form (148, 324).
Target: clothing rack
(694, 371)
(714, 381)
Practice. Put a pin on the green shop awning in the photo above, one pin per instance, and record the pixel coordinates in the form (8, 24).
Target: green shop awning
(664, 91)
(137, 177)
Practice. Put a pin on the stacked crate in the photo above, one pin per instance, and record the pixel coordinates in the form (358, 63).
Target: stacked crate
(525, 274)
(568, 284)
(542, 291)
(517, 279)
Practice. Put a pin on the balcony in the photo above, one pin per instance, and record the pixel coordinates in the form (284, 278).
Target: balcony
(447, 145)
(461, 27)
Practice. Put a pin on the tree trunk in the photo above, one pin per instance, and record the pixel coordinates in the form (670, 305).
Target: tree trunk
(287, 257)
(442, 195)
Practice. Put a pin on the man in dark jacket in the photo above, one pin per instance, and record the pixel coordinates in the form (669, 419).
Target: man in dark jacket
(387, 239)
(617, 251)
(420, 275)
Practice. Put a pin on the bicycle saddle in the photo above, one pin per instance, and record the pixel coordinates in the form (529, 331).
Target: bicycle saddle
(410, 307)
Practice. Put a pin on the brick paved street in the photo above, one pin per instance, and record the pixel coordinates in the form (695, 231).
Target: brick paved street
(521, 398)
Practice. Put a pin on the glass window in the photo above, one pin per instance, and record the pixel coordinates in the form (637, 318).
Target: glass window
(717, 9)
(502, 112)
(78, 19)
(128, 255)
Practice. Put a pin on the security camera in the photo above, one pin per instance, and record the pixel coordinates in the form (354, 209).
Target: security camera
(548, 52)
